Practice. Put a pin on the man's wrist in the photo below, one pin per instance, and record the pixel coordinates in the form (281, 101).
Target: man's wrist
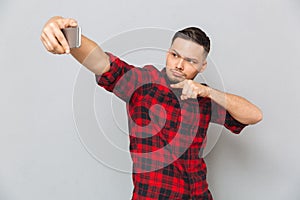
(209, 91)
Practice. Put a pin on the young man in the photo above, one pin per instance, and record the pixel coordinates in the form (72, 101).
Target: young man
(168, 112)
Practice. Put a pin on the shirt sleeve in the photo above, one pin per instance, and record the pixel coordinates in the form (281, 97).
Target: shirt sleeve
(221, 116)
(122, 79)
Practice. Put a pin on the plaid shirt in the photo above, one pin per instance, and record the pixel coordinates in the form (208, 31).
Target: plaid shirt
(166, 133)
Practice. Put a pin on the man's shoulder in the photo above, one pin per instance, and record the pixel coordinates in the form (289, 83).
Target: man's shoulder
(150, 74)
(150, 70)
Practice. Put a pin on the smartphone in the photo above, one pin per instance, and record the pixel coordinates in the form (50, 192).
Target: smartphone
(73, 36)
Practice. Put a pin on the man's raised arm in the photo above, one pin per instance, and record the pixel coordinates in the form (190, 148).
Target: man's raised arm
(88, 54)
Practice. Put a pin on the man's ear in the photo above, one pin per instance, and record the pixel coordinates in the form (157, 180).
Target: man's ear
(203, 67)
(167, 53)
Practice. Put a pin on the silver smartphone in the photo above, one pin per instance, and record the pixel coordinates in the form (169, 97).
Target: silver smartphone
(73, 36)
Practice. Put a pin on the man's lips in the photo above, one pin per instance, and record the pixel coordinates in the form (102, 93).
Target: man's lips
(177, 73)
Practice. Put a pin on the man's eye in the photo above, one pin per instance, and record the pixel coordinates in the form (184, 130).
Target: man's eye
(191, 61)
(175, 55)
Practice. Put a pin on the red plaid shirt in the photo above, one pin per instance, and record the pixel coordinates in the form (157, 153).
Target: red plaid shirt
(166, 133)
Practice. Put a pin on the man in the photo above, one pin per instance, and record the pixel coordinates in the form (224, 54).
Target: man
(168, 112)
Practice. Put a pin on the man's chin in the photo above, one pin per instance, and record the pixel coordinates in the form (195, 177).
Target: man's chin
(175, 80)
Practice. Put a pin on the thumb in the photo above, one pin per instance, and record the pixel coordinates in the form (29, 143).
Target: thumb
(73, 23)
(70, 23)
(67, 22)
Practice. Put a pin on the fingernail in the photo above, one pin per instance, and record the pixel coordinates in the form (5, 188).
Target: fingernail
(68, 51)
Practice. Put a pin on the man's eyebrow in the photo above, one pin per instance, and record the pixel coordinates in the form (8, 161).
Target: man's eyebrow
(186, 58)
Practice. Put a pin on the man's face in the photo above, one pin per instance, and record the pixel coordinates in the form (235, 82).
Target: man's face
(185, 59)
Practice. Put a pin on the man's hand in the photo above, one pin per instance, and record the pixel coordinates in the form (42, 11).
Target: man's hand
(52, 36)
(191, 89)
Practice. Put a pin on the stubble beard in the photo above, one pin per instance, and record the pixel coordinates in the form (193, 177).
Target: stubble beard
(175, 79)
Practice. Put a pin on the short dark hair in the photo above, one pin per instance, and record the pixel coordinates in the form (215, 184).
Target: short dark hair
(196, 35)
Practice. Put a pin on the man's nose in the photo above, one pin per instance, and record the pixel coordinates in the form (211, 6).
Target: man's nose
(180, 64)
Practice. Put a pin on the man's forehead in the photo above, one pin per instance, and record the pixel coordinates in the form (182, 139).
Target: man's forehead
(187, 48)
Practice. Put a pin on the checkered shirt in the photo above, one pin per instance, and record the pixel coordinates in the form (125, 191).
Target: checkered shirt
(166, 133)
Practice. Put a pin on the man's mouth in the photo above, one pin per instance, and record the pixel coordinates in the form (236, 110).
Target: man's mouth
(178, 73)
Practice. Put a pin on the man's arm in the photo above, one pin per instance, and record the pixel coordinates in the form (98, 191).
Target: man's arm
(88, 54)
(239, 108)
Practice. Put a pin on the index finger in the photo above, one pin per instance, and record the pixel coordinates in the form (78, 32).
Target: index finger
(178, 85)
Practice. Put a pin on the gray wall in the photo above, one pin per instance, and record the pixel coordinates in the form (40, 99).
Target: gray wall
(43, 149)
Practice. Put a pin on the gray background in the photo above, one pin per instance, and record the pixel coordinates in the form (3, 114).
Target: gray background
(254, 44)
